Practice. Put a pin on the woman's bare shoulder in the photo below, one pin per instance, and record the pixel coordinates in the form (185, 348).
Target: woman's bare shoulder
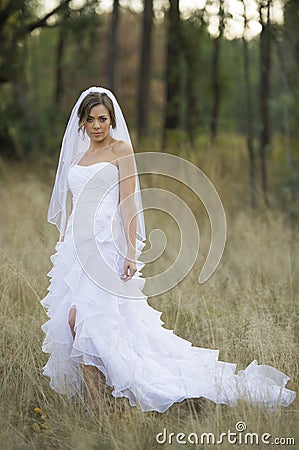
(122, 148)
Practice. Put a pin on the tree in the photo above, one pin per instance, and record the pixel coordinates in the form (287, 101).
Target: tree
(17, 21)
(113, 46)
(79, 25)
(264, 91)
(59, 62)
(215, 76)
(174, 109)
(248, 112)
(286, 41)
(192, 34)
(291, 49)
(145, 70)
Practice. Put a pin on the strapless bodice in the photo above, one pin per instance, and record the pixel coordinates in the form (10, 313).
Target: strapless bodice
(79, 176)
(98, 186)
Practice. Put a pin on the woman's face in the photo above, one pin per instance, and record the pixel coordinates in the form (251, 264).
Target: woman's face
(98, 123)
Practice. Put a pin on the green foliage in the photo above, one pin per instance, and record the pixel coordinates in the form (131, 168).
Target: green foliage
(36, 121)
(31, 119)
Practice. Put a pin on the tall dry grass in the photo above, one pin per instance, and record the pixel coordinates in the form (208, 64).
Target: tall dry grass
(247, 310)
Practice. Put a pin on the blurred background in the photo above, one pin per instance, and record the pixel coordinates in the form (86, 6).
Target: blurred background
(189, 75)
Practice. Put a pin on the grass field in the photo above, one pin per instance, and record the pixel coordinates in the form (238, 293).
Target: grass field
(248, 310)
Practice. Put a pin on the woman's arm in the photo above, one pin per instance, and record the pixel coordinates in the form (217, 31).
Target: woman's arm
(69, 200)
(127, 182)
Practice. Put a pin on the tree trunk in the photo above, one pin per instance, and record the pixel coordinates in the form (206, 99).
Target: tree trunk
(265, 67)
(248, 115)
(215, 89)
(59, 60)
(287, 47)
(145, 70)
(216, 74)
(113, 46)
(191, 44)
(27, 127)
(173, 107)
(249, 130)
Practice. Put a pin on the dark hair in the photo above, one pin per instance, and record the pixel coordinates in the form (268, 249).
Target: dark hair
(91, 100)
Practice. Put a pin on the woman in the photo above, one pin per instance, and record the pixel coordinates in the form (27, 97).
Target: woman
(100, 324)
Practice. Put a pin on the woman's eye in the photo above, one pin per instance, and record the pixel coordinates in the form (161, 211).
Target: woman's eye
(103, 119)
(89, 119)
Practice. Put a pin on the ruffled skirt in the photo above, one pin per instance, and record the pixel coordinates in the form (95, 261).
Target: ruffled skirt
(124, 338)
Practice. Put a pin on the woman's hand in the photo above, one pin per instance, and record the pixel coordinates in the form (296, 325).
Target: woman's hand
(129, 269)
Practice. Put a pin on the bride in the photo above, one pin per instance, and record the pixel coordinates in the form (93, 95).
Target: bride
(101, 328)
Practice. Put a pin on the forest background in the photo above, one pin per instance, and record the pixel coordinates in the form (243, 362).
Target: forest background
(224, 67)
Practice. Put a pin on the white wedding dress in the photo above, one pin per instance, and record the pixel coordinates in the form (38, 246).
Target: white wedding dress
(123, 336)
